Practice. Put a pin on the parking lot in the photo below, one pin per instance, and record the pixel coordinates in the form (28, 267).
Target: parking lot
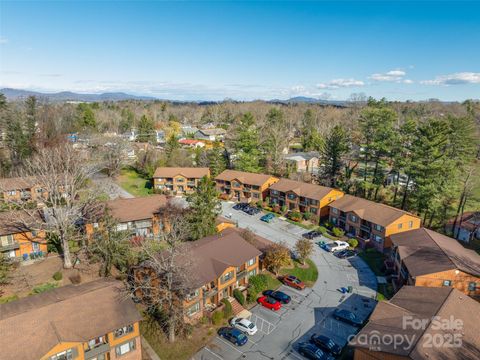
(310, 310)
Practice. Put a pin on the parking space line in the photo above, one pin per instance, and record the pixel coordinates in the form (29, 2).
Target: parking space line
(211, 352)
(230, 345)
(269, 326)
(295, 355)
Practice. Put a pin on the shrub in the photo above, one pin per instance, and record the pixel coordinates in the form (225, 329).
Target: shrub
(323, 230)
(75, 278)
(57, 276)
(252, 295)
(228, 309)
(238, 295)
(204, 320)
(258, 282)
(338, 232)
(7, 299)
(260, 204)
(283, 209)
(295, 216)
(44, 287)
(307, 215)
(276, 208)
(217, 317)
(353, 243)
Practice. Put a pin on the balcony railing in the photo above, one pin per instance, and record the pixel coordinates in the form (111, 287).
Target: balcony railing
(97, 350)
(241, 274)
(12, 246)
(210, 292)
(365, 227)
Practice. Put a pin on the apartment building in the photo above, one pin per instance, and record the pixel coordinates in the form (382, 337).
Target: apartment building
(140, 215)
(17, 239)
(243, 186)
(178, 180)
(93, 320)
(370, 222)
(21, 189)
(421, 323)
(423, 257)
(303, 197)
(215, 266)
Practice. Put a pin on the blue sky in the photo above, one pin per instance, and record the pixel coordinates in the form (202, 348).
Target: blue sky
(244, 50)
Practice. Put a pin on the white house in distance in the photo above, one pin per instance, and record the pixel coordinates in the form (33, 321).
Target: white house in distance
(466, 228)
(217, 134)
(304, 161)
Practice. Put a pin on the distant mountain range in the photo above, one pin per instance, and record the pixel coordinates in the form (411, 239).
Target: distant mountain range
(15, 94)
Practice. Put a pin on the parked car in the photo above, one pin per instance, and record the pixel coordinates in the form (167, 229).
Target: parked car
(278, 295)
(310, 351)
(240, 206)
(270, 303)
(233, 335)
(345, 254)
(347, 317)
(336, 246)
(325, 343)
(267, 217)
(251, 210)
(293, 282)
(311, 234)
(244, 325)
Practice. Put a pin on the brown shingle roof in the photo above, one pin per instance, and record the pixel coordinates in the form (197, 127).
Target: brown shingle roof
(244, 177)
(423, 303)
(73, 313)
(189, 172)
(376, 213)
(212, 255)
(17, 183)
(134, 209)
(214, 131)
(424, 251)
(469, 220)
(19, 221)
(300, 188)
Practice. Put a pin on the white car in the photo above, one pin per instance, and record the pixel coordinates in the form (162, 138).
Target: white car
(337, 246)
(244, 325)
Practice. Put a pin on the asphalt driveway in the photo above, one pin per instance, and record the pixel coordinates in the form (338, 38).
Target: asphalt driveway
(310, 310)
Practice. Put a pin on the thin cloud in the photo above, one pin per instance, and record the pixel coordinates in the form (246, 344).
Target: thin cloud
(340, 83)
(3, 40)
(460, 78)
(392, 75)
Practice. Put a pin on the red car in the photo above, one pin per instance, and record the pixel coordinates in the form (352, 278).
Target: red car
(293, 282)
(270, 303)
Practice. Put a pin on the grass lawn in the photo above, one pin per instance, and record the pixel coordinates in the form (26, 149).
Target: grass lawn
(308, 274)
(272, 281)
(374, 259)
(134, 183)
(184, 347)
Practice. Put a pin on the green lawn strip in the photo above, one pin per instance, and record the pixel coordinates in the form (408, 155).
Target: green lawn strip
(134, 183)
(374, 259)
(308, 275)
(272, 282)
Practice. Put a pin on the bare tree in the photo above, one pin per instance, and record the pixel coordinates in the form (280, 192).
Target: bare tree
(63, 174)
(112, 154)
(165, 278)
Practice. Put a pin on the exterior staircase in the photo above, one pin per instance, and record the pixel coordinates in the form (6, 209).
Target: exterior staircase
(237, 308)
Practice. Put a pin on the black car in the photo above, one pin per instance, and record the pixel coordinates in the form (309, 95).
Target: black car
(310, 351)
(345, 254)
(325, 343)
(240, 206)
(311, 234)
(347, 317)
(251, 210)
(278, 295)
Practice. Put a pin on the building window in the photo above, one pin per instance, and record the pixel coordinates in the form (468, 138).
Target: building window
(11, 192)
(410, 224)
(160, 179)
(123, 331)
(64, 355)
(39, 190)
(400, 226)
(251, 261)
(334, 221)
(180, 180)
(92, 344)
(255, 195)
(236, 184)
(255, 187)
(274, 192)
(252, 272)
(378, 227)
(193, 295)
(313, 210)
(353, 218)
(377, 238)
(447, 282)
(227, 277)
(291, 196)
(122, 227)
(125, 348)
(472, 286)
(192, 310)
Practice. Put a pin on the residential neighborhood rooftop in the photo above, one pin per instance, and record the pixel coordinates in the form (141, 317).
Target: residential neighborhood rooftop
(425, 251)
(302, 155)
(17, 183)
(243, 177)
(302, 189)
(188, 172)
(134, 209)
(72, 313)
(423, 303)
(18, 221)
(376, 213)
